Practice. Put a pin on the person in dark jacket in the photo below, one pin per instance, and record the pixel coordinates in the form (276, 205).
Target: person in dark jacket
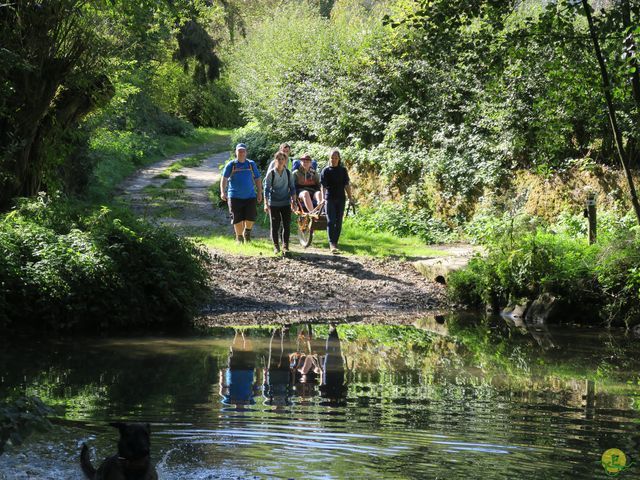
(335, 182)
(333, 384)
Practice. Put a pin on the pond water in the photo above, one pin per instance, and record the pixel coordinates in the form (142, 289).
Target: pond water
(481, 398)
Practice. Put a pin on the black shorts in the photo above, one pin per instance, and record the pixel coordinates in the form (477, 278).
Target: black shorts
(243, 209)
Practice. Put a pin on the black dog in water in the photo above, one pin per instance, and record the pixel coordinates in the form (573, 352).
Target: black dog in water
(132, 461)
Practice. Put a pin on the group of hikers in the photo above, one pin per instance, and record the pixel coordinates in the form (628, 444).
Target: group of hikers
(326, 191)
(303, 371)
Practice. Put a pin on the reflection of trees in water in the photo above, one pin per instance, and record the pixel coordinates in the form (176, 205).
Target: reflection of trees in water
(485, 356)
(488, 355)
(102, 377)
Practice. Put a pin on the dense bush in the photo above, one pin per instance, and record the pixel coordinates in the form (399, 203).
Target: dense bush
(65, 266)
(144, 67)
(618, 273)
(440, 102)
(601, 280)
(212, 104)
(20, 417)
(261, 146)
(116, 154)
(403, 222)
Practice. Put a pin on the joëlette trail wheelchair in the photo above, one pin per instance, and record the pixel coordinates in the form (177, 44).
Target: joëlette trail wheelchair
(314, 220)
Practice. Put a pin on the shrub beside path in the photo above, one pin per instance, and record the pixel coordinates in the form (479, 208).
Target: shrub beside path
(310, 285)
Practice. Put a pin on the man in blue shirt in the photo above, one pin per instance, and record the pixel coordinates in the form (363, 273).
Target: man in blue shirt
(242, 178)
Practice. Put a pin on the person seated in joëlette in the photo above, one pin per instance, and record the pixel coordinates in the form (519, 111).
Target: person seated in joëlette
(307, 182)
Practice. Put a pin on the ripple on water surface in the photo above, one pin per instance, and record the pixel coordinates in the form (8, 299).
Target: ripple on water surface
(384, 402)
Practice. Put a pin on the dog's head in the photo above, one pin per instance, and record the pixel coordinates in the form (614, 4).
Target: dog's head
(135, 441)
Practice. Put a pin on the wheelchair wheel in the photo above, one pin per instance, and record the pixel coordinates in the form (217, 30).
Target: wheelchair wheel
(305, 231)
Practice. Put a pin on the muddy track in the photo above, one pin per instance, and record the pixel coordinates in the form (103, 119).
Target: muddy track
(310, 285)
(317, 287)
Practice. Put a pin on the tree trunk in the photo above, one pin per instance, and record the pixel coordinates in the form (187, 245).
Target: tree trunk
(630, 44)
(617, 134)
(27, 159)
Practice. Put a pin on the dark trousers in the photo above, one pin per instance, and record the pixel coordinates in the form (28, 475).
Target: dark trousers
(335, 213)
(280, 216)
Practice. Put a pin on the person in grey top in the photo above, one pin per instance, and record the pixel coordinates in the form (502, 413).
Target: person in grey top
(280, 197)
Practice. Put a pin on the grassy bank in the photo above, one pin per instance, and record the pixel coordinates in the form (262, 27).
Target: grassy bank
(119, 154)
(353, 241)
(588, 283)
(356, 239)
(68, 263)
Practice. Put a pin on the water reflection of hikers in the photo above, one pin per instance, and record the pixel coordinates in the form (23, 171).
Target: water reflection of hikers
(237, 382)
(333, 387)
(305, 368)
(277, 387)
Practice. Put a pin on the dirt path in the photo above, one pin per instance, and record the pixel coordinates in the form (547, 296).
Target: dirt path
(187, 209)
(317, 287)
(310, 285)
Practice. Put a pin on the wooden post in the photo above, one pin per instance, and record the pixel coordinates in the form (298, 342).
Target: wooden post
(589, 398)
(590, 213)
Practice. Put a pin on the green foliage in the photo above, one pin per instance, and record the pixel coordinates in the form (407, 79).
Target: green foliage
(442, 99)
(296, 81)
(618, 274)
(609, 226)
(94, 86)
(54, 74)
(471, 286)
(191, 161)
(65, 266)
(20, 417)
(261, 146)
(117, 154)
(549, 263)
(213, 104)
(214, 195)
(493, 228)
(403, 222)
(525, 261)
(402, 338)
(178, 183)
(524, 266)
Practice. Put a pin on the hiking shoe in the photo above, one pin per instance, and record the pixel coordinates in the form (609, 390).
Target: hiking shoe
(247, 235)
(276, 250)
(333, 248)
(285, 248)
(239, 239)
